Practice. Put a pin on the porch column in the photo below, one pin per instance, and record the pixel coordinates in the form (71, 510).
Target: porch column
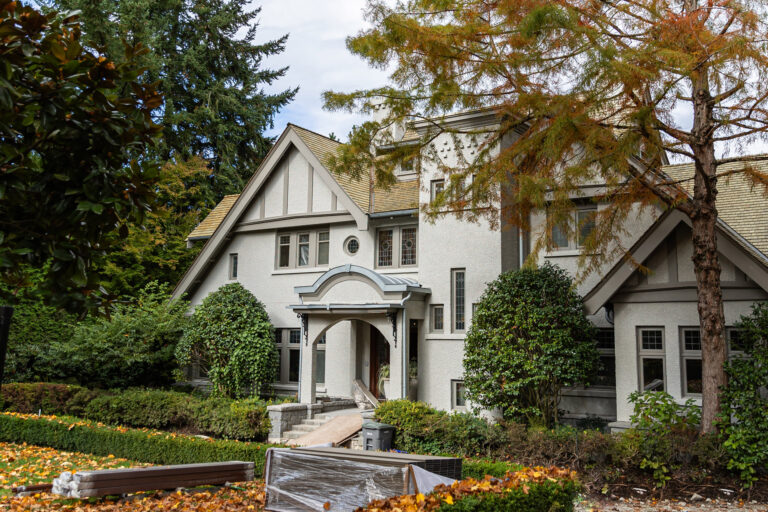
(310, 334)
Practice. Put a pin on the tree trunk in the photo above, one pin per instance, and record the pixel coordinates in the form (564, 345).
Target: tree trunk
(706, 263)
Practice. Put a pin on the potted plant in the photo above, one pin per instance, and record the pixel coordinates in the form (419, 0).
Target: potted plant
(383, 380)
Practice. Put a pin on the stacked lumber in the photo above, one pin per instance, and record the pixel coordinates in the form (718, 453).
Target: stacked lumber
(85, 484)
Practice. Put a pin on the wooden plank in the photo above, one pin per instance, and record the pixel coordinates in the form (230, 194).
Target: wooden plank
(158, 485)
(108, 474)
(32, 488)
(180, 481)
(335, 431)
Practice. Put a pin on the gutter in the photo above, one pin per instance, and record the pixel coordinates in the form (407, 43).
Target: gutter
(394, 213)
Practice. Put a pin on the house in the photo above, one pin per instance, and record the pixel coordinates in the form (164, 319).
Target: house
(364, 291)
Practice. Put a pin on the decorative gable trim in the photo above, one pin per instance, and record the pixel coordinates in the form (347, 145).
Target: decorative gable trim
(288, 139)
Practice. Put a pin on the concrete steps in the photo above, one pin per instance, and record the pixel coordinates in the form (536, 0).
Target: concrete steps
(307, 426)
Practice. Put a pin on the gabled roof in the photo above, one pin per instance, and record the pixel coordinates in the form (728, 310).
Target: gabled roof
(740, 204)
(403, 195)
(205, 229)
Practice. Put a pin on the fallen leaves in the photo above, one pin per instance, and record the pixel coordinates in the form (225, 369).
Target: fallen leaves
(448, 495)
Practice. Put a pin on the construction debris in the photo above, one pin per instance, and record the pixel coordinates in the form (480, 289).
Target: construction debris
(85, 484)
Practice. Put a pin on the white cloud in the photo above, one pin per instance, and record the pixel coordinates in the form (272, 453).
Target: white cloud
(317, 58)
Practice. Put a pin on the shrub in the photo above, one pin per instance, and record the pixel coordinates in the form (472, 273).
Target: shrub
(166, 410)
(530, 333)
(548, 496)
(744, 419)
(36, 330)
(134, 347)
(661, 423)
(230, 336)
(139, 445)
(479, 469)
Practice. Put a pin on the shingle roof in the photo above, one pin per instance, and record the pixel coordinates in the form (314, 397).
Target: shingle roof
(206, 228)
(740, 204)
(402, 195)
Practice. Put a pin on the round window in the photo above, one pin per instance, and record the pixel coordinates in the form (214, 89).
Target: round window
(352, 245)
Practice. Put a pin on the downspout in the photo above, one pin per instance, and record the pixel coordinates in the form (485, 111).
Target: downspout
(404, 349)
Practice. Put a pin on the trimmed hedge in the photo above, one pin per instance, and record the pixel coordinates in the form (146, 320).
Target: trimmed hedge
(139, 445)
(244, 420)
(548, 496)
(478, 469)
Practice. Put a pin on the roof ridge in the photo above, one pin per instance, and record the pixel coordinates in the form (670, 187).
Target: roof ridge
(313, 132)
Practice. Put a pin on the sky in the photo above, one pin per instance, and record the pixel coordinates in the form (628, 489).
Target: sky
(317, 58)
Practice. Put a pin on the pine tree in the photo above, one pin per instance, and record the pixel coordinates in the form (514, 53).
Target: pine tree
(210, 71)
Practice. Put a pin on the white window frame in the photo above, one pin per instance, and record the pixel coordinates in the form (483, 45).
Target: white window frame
(327, 243)
(294, 248)
(574, 242)
(643, 354)
(687, 354)
(435, 187)
(233, 261)
(408, 168)
(455, 394)
(434, 315)
(397, 248)
(455, 302)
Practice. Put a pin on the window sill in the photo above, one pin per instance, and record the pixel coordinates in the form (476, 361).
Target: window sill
(307, 270)
(565, 253)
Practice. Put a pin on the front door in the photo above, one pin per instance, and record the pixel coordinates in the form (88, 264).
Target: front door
(379, 359)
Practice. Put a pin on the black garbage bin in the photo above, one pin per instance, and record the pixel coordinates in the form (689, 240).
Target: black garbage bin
(377, 436)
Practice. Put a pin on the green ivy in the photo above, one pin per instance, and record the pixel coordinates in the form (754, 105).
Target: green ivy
(744, 420)
(529, 338)
(231, 338)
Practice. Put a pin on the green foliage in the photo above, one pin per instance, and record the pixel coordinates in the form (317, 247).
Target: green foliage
(134, 347)
(478, 469)
(73, 128)
(230, 336)
(143, 446)
(662, 422)
(36, 329)
(528, 339)
(245, 420)
(549, 496)
(211, 72)
(744, 419)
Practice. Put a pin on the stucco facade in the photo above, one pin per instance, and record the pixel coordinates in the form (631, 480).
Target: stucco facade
(356, 280)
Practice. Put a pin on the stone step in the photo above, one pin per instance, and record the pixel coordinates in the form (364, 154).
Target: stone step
(302, 427)
(315, 422)
(293, 434)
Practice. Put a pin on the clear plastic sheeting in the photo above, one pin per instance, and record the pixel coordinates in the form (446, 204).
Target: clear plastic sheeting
(298, 482)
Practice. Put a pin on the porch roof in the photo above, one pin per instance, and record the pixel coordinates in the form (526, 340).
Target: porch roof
(386, 283)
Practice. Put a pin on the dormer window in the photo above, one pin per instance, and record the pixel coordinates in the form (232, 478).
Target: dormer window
(408, 168)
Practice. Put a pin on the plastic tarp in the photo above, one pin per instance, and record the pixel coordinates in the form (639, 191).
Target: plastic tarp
(299, 482)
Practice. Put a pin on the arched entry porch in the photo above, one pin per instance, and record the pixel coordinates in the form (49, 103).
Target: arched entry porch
(377, 306)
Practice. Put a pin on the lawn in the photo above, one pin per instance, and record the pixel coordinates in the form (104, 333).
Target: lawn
(22, 464)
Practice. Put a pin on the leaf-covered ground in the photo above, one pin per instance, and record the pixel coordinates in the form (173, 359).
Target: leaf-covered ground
(21, 464)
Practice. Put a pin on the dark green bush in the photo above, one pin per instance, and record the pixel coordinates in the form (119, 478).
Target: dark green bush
(142, 446)
(31, 398)
(134, 347)
(529, 332)
(245, 420)
(232, 340)
(744, 419)
(478, 469)
(548, 497)
(169, 410)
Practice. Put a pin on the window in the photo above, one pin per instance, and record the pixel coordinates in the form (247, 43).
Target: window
(385, 248)
(606, 346)
(651, 358)
(323, 244)
(408, 167)
(233, 266)
(397, 247)
(436, 315)
(303, 255)
(436, 188)
(306, 249)
(288, 342)
(408, 246)
(458, 296)
(352, 245)
(284, 251)
(581, 223)
(458, 401)
(691, 359)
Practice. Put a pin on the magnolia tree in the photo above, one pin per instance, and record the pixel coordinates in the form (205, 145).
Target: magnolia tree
(584, 90)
